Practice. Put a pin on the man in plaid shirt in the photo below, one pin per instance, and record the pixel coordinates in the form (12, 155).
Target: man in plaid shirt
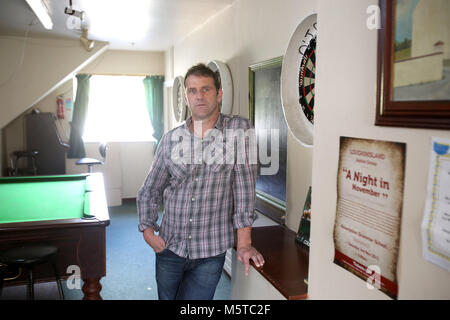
(208, 192)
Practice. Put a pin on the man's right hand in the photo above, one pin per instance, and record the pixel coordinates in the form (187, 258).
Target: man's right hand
(154, 241)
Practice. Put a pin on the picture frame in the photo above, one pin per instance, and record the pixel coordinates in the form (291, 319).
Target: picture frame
(406, 92)
(265, 114)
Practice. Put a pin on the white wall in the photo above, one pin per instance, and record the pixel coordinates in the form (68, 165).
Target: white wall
(345, 100)
(168, 84)
(251, 31)
(248, 32)
(127, 63)
(31, 69)
(128, 163)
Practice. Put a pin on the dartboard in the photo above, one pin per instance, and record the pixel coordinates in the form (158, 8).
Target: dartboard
(306, 80)
(298, 76)
(180, 102)
(227, 85)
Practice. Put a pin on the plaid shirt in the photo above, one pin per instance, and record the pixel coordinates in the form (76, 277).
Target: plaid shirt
(204, 200)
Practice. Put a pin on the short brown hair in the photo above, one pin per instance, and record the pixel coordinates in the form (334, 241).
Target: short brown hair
(202, 70)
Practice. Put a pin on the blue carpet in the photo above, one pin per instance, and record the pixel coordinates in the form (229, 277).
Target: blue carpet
(130, 262)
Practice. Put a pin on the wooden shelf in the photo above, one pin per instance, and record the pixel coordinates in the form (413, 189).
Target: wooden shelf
(286, 262)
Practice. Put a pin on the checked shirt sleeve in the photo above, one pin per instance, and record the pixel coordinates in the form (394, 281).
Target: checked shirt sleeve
(150, 195)
(244, 183)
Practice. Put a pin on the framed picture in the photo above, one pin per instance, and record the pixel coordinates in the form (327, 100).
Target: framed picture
(413, 85)
(266, 115)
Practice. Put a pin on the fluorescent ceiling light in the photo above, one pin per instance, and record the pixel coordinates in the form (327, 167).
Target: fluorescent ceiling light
(41, 11)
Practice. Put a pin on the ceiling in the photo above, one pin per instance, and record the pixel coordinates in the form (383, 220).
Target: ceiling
(151, 25)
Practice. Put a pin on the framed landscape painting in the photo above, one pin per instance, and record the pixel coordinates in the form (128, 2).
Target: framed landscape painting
(413, 85)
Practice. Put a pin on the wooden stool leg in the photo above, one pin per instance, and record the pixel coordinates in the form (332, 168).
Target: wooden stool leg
(34, 166)
(1, 283)
(30, 287)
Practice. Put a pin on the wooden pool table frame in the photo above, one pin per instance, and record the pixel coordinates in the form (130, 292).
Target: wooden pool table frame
(81, 242)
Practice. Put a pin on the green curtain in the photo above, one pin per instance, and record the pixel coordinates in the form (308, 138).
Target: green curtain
(153, 86)
(80, 109)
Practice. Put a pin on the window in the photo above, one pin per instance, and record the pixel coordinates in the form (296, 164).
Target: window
(117, 110)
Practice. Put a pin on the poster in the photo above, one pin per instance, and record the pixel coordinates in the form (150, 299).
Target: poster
(370, 184)
(436, 221)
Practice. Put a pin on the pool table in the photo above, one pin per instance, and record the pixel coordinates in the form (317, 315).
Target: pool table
(68, 211)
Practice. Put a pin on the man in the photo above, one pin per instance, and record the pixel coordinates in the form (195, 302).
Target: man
(205, 197)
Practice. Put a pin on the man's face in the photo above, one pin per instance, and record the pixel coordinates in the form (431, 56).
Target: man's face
(202, 97)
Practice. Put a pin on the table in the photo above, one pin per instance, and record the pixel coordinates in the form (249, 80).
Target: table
(285, 268)
(67, 211)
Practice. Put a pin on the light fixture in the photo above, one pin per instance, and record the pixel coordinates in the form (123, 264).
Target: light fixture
(72, 12)
(88, 44)
(41, 11)
(75, 18)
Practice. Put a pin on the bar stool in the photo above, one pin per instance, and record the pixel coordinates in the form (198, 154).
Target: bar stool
(90, 162)
(3, 268)
(28, 155)
(27, 257)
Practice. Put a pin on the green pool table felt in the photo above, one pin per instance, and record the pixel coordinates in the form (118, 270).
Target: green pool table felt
(36, 200)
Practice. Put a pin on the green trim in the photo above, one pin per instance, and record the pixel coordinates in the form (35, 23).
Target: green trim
(251, 96)
(271, 200)
(266, 64)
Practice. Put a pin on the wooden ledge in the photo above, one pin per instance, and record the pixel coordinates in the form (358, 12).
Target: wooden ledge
(286, 262)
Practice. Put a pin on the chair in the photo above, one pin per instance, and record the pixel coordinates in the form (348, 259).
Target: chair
(90, 161)
(27, 257)
(29, 156)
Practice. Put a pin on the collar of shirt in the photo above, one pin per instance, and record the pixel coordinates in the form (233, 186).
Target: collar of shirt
(218, 125)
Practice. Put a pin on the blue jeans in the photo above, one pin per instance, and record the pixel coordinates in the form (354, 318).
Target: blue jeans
(187, 279)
